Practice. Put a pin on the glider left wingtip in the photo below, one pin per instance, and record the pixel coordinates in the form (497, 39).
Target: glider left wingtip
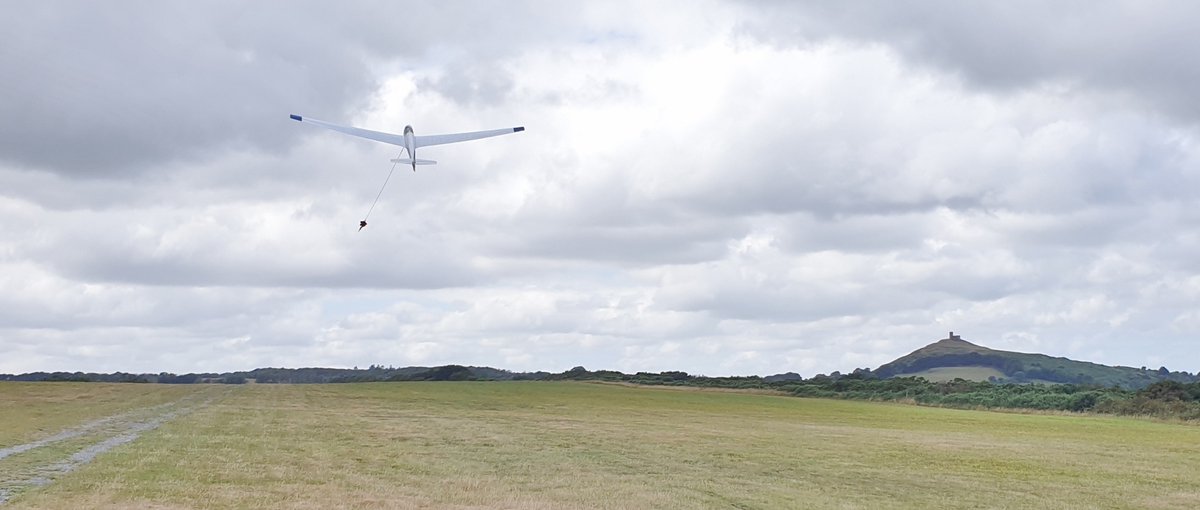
(518, 129)
(301, 119)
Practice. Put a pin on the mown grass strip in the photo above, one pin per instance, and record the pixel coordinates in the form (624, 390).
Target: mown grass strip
(38, 463)
(33, 411)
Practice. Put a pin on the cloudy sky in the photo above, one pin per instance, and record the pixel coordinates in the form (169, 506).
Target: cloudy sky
(715, 187)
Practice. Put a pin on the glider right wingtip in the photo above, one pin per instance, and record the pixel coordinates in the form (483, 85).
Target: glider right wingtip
(518, 129)
(296, 117)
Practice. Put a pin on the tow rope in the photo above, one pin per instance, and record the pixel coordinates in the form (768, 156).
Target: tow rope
(363, 223)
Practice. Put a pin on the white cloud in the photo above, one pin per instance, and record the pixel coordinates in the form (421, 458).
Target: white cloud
(717, 188)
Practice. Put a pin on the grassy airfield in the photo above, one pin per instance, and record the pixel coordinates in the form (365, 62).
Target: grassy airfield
(30, 409)
(576, 445)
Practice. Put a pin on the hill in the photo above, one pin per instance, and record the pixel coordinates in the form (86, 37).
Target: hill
(938, 358)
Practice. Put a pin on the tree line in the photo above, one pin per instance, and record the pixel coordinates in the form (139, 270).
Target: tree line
(1163, 399)
(374, 373)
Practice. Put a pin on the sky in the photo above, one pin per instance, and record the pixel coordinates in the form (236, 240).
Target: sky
(717, 187)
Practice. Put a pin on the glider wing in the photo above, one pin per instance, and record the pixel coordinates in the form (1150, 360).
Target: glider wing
(427, 140)
(364, 133)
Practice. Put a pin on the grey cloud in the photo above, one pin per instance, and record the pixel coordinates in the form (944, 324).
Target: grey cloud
(899, 160)
(227, 246)
(787, 290)
(38, 300)
(1143, 49)
(103, 91)
(415, 267)
(93, 91)
(648, 241)
(862, 233)
(472, 85)
(797, 304)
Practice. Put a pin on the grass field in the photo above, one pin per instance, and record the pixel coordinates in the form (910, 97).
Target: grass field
(31, 411)
(578, 445)
(943, 374)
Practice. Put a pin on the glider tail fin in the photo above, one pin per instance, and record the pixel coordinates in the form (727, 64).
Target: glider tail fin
(406, 161)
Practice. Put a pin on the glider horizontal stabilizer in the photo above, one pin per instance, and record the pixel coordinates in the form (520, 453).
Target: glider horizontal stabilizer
(406, 161)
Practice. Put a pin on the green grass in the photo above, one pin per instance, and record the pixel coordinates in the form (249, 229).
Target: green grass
(943, 374)
(579, 445)
(33, 410)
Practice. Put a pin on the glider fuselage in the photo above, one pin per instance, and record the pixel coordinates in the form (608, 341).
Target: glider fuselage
(410, 145)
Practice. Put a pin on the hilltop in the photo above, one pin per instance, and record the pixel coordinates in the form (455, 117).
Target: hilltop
(954, 357)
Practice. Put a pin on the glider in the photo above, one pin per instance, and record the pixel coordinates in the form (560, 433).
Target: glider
(409, 140)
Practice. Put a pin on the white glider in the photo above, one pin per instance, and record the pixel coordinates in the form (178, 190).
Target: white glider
(410, 141)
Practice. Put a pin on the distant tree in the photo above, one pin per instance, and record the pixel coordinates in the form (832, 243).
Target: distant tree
(1083, 401)
(1193, 391)
(1166, 390)
(786, 376)
(447, 373)
(862, 373)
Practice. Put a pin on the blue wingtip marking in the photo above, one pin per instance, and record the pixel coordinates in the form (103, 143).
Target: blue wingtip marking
(297, 117)
(518, 129)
